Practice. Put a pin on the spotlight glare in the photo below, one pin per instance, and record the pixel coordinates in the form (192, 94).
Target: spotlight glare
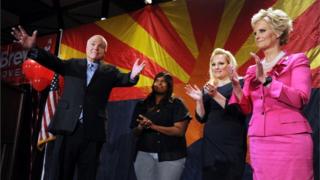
(148, 1)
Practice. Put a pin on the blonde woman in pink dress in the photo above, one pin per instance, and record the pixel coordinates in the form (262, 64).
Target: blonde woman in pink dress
(275, 90)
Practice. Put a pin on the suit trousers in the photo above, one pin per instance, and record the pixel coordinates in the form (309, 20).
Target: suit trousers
(78, 152)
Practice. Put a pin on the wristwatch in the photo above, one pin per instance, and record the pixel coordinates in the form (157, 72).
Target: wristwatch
(268, 81)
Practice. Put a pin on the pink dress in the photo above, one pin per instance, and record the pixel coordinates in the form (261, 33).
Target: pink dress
(280, 143)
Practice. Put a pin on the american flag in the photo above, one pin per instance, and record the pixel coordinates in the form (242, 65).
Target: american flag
(49, 109)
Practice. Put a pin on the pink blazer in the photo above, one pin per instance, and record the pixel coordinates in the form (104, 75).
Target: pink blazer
(276, 109)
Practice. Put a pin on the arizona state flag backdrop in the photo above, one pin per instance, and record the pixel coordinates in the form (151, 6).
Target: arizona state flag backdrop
(179, 37)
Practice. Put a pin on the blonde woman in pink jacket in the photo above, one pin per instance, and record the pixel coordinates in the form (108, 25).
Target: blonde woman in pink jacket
(275, 90)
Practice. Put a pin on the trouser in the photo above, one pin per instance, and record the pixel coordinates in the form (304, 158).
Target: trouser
(147, 167)
(78, 152)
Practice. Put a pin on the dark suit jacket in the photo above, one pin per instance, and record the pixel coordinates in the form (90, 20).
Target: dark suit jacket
(77, 96)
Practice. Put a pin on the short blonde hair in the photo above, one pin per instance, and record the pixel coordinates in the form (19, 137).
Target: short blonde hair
(229, 57)
(280, 22)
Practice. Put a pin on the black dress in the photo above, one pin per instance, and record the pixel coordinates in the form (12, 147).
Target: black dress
(224, 139)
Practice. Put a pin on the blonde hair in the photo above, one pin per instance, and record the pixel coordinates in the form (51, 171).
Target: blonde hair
(280, 22)
(229, 57)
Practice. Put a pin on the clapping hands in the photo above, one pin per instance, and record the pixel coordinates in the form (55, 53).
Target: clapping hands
(233, 75)
(259, 68)
(144, 122)
(210, 89)
(194, 92)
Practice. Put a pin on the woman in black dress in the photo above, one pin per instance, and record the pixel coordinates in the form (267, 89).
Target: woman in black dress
(224, 139)
(160, 123)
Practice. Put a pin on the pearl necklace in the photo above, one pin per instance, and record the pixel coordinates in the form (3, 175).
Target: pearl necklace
(268, 65)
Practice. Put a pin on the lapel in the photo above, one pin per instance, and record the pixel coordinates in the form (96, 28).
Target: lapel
(83, 71)
(281, 66)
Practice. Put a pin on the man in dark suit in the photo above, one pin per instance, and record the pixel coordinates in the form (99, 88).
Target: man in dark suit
(80, 114)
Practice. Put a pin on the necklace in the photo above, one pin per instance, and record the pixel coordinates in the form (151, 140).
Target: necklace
(223, 82)
(268, 65)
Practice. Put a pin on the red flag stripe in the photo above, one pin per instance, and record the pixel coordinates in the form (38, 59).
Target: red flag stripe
(307, 23)
(205, 24)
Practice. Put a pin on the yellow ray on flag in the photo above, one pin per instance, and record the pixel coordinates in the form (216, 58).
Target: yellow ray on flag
(230, 14)
(293, 8)
(243, 54)
(181, 23)
(144, 81)
(314, 56)
(128, 31)
(67, 52)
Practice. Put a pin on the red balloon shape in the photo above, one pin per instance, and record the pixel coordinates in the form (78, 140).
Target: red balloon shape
(39, 84)
(28, 67)
(39, 76)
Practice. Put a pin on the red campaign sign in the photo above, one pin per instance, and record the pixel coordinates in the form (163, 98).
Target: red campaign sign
(13, 55)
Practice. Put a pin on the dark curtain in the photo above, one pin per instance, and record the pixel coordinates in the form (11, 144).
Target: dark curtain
(311, 111)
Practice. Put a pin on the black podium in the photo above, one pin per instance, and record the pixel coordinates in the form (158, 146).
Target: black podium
(15, 135)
